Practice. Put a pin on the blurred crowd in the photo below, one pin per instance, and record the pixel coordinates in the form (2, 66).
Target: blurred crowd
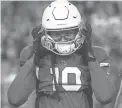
(18, 18)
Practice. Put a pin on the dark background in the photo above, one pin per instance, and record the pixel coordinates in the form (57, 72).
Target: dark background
(18, 18)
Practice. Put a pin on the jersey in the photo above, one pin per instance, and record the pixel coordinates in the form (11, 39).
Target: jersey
(73, 80)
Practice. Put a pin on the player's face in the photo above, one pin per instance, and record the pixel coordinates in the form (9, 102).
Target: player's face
(63, 36)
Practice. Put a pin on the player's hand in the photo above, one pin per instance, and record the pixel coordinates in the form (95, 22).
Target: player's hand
(37, 33)
(87, 31)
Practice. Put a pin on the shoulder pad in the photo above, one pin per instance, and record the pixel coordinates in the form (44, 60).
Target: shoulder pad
(25, 54)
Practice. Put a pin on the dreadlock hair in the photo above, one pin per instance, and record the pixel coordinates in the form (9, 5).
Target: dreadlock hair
(40, 52)
(84, 52)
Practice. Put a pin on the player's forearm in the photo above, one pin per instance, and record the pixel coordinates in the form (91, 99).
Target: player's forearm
(22, 86)
(102, 87)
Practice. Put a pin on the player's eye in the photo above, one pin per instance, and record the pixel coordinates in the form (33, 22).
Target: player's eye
(71, 34)
(54, 34)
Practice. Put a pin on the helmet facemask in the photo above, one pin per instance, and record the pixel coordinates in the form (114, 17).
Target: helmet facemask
(63, 41)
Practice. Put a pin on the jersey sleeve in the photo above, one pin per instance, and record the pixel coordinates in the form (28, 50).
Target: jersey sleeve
(102, 80)
(23, 84)
(25, 81)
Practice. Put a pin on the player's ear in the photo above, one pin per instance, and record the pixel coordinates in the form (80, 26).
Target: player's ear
(25, 54)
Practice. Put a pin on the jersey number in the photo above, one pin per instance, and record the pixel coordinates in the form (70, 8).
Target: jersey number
(65, 78)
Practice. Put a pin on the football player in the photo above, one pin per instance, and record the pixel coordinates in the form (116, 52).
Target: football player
(61, 64)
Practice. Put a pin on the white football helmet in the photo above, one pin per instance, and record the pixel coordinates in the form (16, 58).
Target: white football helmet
(62, 23)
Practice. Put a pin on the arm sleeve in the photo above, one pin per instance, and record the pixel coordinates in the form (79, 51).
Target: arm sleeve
(103, 83)
(23, 85)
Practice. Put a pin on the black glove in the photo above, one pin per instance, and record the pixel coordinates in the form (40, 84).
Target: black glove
(39, 51)
(37, 33)
(87, 31)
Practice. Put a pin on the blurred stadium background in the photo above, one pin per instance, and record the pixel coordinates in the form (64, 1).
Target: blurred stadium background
(18, 18)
